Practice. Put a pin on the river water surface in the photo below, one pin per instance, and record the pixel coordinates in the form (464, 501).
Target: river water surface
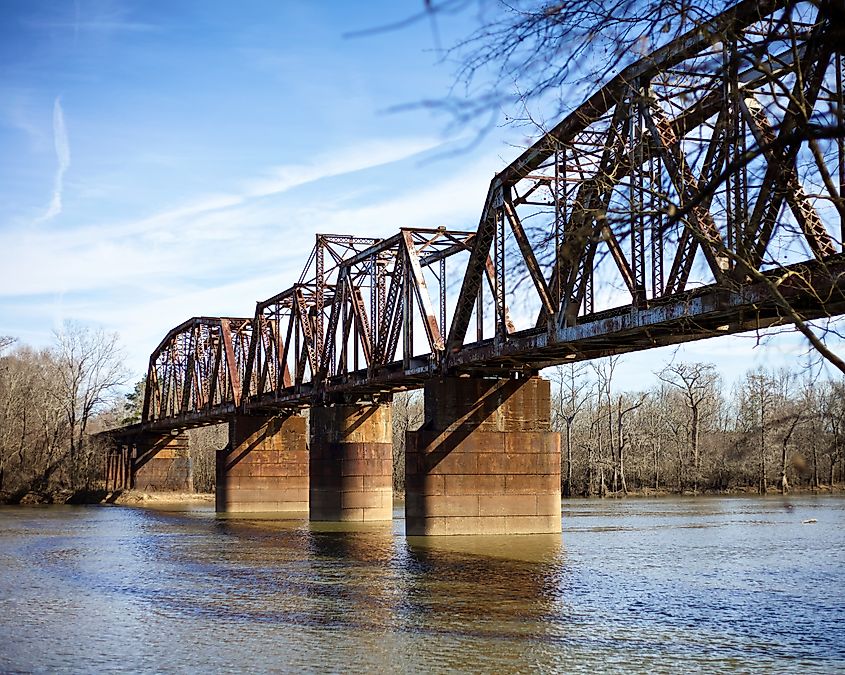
(667, 585)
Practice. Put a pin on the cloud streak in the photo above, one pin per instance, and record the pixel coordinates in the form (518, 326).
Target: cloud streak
(254, 225)
(60, 141)
(219, 253)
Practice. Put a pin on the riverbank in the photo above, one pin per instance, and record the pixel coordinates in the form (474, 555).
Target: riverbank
(135, 498)
(120, 497)
(138, 498)
(742, 491)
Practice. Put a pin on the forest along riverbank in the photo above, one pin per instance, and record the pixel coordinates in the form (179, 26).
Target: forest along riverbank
(740, 491)
(688, 434)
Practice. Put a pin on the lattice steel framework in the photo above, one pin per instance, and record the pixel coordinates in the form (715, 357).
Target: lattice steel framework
(698, 193)
(689, 178)
(384, 312)
(289, 328)
(197, 369)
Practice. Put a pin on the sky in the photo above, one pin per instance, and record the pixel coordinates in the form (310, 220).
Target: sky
(162, 160)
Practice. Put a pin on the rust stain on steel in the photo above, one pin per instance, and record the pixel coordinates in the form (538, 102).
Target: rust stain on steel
(421, 290)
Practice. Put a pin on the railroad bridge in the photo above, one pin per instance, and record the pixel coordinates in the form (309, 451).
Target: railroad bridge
(697, 194)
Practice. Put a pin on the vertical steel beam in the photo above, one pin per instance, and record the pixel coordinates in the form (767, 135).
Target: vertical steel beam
(475, 268)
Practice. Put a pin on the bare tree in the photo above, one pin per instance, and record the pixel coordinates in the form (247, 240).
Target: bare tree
(833, 420)
(696, 382)
(573, 392)
(604, 370)
(89, 372)
(593, 445)
(793, 421)
(33, 428)
(204, 442)
(407, 416)
(653, 431)
(810, 438)
(531, 54)
(622, 436)
(15, 415)
(757, 405)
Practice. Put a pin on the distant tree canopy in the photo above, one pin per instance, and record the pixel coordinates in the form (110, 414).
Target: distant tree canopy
(773, 431)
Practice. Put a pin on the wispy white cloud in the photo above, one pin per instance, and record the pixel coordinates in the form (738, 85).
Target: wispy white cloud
(60, 141)
(356, 158)
(249, 227)
(207, 215)
(219, 254)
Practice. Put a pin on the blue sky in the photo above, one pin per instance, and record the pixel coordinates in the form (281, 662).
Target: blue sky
(162, 160)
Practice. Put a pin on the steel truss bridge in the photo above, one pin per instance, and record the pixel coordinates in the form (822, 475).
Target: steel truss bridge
(698, 193)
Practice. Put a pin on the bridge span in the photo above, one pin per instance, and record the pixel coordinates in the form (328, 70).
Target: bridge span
(698, 193)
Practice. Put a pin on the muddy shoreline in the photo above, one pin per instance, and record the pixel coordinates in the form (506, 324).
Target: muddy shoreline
(138, 498)
(118, 498)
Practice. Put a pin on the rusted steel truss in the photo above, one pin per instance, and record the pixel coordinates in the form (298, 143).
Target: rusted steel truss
(198, 369)
(664, 209)
(289, 329)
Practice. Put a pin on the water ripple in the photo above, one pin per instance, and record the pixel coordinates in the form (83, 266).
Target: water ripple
(640, 585)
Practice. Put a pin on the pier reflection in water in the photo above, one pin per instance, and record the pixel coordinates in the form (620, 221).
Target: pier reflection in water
(642, 585)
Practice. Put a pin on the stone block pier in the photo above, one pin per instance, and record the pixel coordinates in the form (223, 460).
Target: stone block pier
(484, 460)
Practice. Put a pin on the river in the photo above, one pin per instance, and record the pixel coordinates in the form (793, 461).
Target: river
(663, 585)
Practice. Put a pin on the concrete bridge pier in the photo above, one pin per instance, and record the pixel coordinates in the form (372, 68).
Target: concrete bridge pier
(118, 467)
(151, 463)
(264, 468)
(484, 461)
(351, 464)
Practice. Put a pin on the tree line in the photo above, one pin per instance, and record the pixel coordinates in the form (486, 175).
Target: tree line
(51, 401)
(774, 430)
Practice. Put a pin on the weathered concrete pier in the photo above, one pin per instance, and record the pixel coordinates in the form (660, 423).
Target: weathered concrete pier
(264, 467)
(151, 463)
(351, 463)
(484, 461)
